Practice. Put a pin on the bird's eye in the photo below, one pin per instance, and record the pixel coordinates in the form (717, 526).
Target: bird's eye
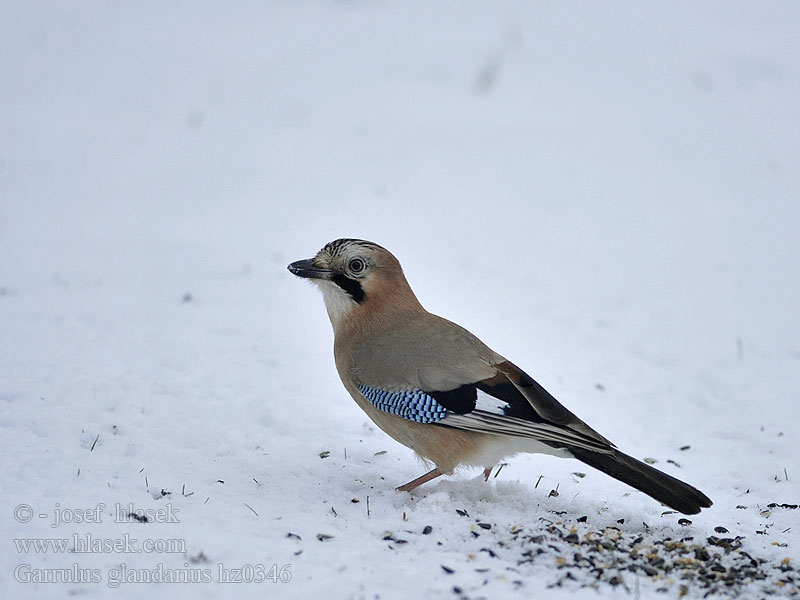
(356, 265)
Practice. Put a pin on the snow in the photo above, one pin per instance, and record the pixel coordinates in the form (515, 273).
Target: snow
(605, 194)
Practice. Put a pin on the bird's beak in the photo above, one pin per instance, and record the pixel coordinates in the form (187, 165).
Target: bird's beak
(305, 268)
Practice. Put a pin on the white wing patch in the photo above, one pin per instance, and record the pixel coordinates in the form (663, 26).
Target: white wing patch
(490, 404)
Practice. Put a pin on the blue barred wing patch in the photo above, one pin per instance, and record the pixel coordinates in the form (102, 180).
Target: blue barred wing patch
(414, 405)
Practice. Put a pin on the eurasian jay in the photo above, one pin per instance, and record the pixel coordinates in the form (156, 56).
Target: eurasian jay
(437, 389)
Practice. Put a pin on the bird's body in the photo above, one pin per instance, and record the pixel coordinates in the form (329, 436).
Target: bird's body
(437, 389)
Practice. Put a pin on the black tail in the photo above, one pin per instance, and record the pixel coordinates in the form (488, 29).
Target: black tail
(664, 488)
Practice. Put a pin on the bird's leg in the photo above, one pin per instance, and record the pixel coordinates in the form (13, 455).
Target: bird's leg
(486, 472)
(412, 485)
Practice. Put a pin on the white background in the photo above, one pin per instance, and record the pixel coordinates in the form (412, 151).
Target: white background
(605, 194)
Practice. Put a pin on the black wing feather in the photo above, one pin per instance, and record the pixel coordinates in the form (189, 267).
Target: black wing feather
(461, 400)
(526, 399)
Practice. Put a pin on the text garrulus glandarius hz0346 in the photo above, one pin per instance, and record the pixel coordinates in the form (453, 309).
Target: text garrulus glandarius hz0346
(436, 388)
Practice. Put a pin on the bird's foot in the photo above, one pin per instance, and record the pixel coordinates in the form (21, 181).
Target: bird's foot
(412, 485)
(486, 472)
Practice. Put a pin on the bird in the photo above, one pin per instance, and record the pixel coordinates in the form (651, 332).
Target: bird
(437, 389)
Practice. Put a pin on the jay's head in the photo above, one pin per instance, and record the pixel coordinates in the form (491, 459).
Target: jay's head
(356, 275)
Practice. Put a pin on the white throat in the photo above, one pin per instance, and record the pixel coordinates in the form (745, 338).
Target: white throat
(338, 303)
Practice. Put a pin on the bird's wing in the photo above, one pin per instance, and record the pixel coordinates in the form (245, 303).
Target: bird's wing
(454, 380)
(495, 406)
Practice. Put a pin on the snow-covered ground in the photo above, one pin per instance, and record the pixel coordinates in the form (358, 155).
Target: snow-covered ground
(607, 194)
